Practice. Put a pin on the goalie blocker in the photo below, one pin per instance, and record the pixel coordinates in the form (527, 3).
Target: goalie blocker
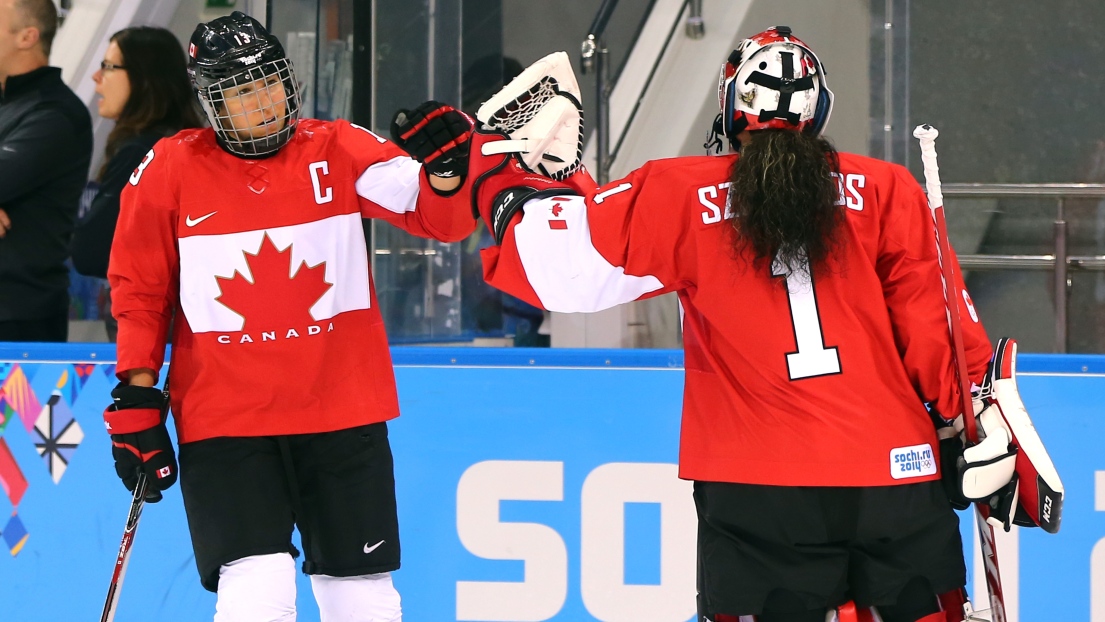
(1008, 470)
(1034, 495)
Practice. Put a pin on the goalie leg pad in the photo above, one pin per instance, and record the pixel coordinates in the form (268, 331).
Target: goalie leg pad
(949, 604)
(952, 603)
(1040, 490)
(915, 602)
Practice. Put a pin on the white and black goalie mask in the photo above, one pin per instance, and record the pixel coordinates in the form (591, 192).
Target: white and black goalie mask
(254, 113)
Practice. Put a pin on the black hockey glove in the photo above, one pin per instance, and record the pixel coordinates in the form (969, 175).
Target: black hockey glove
(139, 440)
(951, 452)
(435, 134)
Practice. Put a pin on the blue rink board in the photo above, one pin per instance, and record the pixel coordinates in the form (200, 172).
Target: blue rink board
(577, 409)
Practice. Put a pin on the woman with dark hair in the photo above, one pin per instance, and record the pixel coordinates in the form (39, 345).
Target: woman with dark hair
(144, 87)
(815, 332)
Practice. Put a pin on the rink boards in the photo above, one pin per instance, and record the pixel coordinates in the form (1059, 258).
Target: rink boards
(532, 485)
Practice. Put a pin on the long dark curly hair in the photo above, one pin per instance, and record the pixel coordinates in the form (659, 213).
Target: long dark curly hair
(783, 195)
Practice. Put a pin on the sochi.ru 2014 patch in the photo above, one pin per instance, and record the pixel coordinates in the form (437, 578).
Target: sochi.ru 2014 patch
(914, 461)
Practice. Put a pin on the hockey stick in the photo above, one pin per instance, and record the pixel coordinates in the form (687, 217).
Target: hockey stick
(142, 492)
(123, 558)
(926, 135)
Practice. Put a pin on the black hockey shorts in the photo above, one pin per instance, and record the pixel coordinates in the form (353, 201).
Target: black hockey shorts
(242, 496)
(823, 545)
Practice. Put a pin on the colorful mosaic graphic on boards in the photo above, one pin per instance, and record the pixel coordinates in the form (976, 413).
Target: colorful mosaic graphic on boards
(55, 433)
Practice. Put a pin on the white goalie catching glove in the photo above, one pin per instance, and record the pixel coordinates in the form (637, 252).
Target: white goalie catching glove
(1008, 469)
(542, 114)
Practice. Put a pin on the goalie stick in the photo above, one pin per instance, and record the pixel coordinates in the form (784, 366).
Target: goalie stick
(926, 135)
(138, 501)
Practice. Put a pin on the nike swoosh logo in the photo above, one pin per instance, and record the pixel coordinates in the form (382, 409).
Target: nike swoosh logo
(369, 549)
(192, 223)
(8, 149)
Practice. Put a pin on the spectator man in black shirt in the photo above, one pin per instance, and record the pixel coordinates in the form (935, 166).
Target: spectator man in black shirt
(45, 149)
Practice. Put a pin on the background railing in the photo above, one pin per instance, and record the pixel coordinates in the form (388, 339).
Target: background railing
(1059, 261)
(595, 58)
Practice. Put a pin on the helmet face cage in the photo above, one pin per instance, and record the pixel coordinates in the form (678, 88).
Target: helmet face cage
(230, 102)
(773, 81)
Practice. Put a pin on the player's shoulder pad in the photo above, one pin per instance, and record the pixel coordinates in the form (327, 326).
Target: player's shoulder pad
(697, 167)
(191, 138)
(184, 146)
(361, 142)
(670, 175)
(875, 170)
(342, 126)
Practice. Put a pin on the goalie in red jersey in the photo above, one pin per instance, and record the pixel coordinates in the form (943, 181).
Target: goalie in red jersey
(247, 238)
(818, 355)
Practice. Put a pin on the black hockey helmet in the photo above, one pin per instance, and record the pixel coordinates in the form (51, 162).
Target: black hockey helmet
(233, 52)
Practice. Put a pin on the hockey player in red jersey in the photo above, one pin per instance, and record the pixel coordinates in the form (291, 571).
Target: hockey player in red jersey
(815, 328)
(246, 237)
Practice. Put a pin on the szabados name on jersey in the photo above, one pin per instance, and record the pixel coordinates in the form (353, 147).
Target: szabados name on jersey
(848, 195)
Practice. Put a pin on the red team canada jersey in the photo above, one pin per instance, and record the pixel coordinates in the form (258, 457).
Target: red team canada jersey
(276, 327)
(786, 383)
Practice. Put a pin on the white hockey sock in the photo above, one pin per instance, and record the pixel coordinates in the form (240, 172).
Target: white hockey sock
(259, 588)
(366, 598)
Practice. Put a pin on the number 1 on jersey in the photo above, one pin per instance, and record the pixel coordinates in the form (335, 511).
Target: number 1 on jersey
(812, 358)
